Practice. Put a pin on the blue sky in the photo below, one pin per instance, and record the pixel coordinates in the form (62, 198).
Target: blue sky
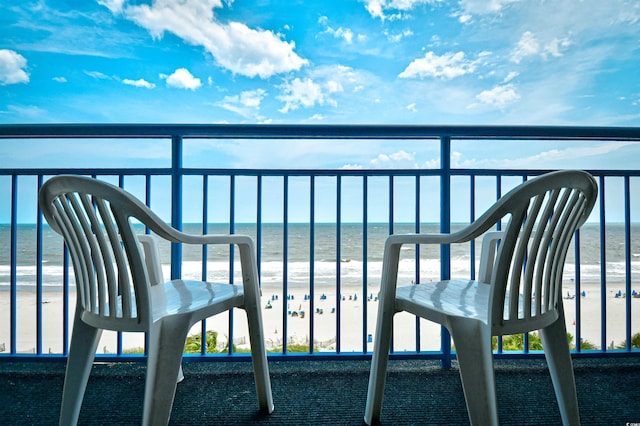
(369, 61)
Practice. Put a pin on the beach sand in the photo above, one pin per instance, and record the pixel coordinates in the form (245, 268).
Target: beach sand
(298, 327)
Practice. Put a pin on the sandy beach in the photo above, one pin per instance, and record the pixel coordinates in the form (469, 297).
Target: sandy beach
(298, 312)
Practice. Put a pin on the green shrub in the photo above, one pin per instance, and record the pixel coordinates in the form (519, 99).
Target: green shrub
(194, 342)
(133, 351)
(635, 342)
(515, 342)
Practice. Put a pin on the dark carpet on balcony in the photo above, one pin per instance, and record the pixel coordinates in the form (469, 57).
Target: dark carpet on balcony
(321, 392)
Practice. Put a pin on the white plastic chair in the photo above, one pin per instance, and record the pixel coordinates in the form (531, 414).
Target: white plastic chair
(518, 290)
(120, 287)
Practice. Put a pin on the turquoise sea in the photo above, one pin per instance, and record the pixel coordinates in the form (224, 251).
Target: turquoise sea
(335, 254)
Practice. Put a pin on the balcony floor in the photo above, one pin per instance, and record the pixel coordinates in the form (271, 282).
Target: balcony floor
(322, 392)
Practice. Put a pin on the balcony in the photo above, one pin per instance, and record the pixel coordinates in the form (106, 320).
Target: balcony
(321, 392)
(319, 243)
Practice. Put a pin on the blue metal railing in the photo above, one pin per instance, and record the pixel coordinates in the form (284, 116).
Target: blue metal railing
(177, 134)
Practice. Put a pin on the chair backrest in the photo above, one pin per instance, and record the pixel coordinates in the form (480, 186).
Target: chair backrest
(111, 275)
(542, 216)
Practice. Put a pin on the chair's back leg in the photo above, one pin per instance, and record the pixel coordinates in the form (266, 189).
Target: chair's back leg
(259, 358)
(556, 351)
(84, 342)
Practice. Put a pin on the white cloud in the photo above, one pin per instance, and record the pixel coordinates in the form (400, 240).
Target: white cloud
(499, 96)
(574, 152)
(31, 111)
(340, 33)
(60, 79)
(97, 75)
(235, 46)
(556, 45)
(252, 98)
(510, 76)
(115, 6)
(377, 8)
(352, 167)
(549, 159)
(139, 83)
(400, 159)
(182, 79)
(397, 37)
(465, 18)
(482, 7)
(324, 85)
(301, 93)
(347, 34)
(447, 66)
(245, 104)
(529, 45)
(12, 66)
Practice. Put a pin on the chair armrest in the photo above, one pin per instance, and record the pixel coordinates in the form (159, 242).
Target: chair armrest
(245, 244)
(157, 226)
(394, 243)
(400, 239)
(176, 236)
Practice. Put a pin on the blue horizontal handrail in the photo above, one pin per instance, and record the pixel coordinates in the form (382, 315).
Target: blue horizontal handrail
(296, 131)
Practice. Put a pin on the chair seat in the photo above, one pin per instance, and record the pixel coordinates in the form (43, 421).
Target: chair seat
(453, 298)
(189, 296)
(436, 301)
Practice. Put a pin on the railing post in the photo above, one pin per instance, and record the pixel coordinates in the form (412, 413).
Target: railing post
(176, 203)
(603, 270)
(13, 264)
(445, 228)
(627, 259)
(285, 262)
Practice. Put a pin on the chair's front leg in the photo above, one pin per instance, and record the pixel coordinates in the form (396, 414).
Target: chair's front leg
(472, 340)
(166, 346)
(379, 361)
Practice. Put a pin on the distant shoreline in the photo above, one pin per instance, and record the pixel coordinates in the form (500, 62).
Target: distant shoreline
(269, 224)
(295, 285)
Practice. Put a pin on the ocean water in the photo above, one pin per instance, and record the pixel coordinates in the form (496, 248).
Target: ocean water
(338, 256)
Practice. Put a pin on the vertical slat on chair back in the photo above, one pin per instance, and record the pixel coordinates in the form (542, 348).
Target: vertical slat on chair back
(110, 272)
(528, 269)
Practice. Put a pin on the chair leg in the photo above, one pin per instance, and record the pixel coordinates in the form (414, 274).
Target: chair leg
(166, 346)
(379, 361)
(84, 341)
(472, 340)
(556, 350)
(259, 358)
